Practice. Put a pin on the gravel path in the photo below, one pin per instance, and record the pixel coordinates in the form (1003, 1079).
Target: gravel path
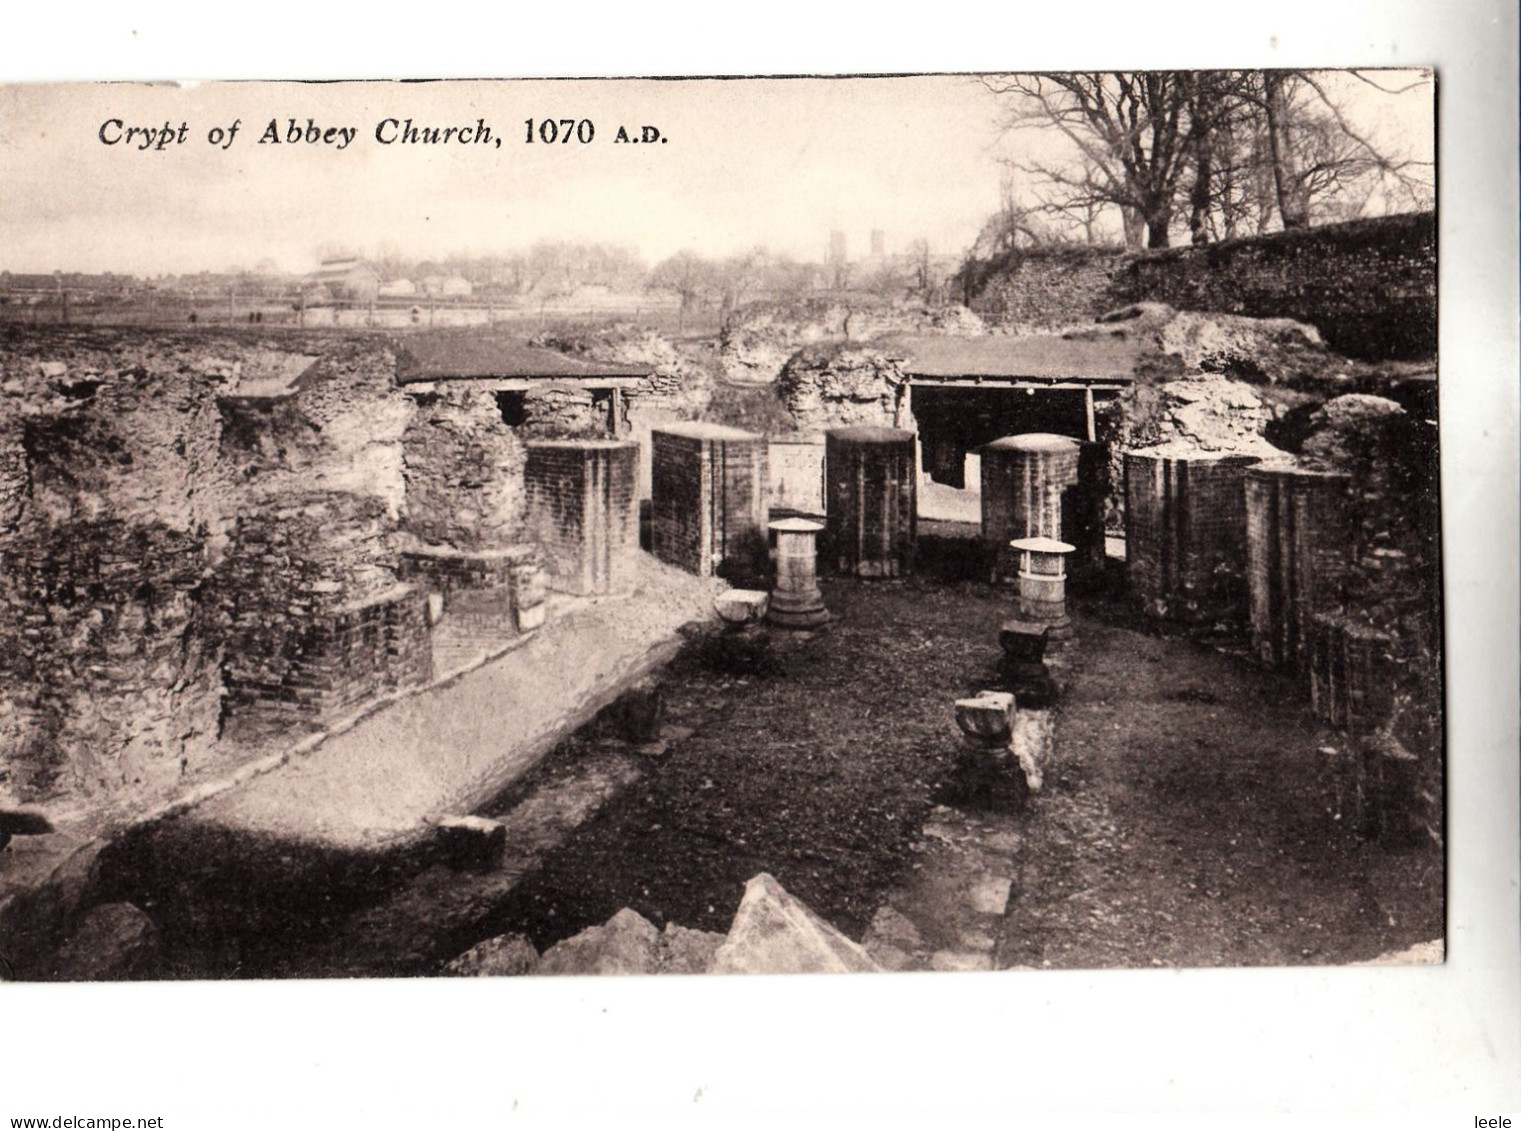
(1185, 820)
(1188, 823)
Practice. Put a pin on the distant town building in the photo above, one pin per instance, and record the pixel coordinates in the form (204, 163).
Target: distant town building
(447, 286)
(397, 288)
(351, 280)
(23, 288)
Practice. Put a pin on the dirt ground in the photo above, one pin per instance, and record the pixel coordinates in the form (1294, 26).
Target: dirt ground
(808, 761)
(1187, 818)
(1190, 822)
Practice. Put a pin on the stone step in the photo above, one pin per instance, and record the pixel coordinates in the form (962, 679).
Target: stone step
(946, 913)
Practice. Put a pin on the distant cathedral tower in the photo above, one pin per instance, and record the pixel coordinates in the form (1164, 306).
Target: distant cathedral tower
(839, 264)
(837, 254)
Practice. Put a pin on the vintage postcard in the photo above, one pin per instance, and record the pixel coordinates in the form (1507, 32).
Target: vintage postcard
(977, 526)
(502, 528)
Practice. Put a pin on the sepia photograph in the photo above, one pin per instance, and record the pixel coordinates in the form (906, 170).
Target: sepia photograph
(485, 561)
(490, 529)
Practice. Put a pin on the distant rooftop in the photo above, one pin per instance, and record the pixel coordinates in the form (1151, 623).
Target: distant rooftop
(1044, 357)
(341, 268)
(425, 357)
(705, 430)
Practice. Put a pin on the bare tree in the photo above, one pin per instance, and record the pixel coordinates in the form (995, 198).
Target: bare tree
(1215, 103)
(1130, 131)
(1317, 153)
(1288, 183)
(688, 276)
(1233, 150)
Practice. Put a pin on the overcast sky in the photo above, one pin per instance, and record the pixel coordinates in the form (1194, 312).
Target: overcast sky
(748, 162)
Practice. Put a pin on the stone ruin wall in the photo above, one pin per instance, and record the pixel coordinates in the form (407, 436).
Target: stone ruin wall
(583, 511)
(463, 470)
(134, 469)
(1042, 288)
(709, 502)
(314, 620)
(201, 531)
(676, 388)
(1369, 286)
(1185, 534)
(109, 657)
(1391, 587)
(1331, 554)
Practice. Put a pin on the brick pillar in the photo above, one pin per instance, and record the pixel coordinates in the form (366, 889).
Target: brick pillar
(870, 498)
(336, 658)
(1025, 481)
(1083, 506)
(1352, 673)
(487, 595)
(583, 512)
(1185, 534)
(1299, 555)
(708, 500)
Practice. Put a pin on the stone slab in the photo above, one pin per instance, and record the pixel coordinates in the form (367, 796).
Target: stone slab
(774, 932)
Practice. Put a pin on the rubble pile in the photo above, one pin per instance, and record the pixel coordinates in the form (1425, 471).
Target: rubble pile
(1258, 351)
(773, 932)
(676, 380)
(1207, 414)
(835, 386)
(756, 345)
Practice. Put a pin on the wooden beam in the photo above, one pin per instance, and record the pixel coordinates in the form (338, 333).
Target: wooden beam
(521, 384)
(1104, 385)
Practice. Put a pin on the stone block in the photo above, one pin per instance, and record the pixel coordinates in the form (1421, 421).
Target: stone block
(1025, 482)
(1023, 667)
(992, 777)
(742, 606)
(506, 956)
(1299, 556)
(708, 507)
(1186, 534)
(36, 913)
(774, 932)
(893, 941)
(870, 483)
(986, 718)
(583, 510)
(636, 715)
(684, 950)
(1023, 641)
(19, 822)
(626, 944)
(796, 600)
